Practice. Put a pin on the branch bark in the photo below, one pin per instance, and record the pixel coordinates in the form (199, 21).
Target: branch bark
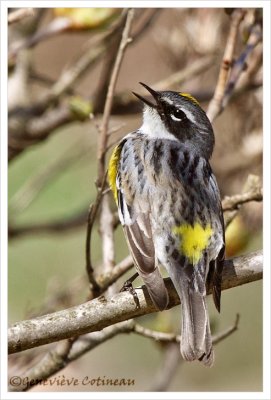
(100, 313)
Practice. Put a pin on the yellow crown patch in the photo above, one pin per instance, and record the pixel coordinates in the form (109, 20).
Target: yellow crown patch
(188, 96)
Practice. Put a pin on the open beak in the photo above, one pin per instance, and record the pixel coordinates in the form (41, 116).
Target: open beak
(152, 92)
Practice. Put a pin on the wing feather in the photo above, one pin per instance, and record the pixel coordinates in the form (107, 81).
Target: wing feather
(218, 264)
(138, 233)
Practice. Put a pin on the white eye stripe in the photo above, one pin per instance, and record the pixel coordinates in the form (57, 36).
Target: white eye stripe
(166, 100)
(190, 116)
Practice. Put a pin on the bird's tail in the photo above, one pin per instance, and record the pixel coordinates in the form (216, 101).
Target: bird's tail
(196, 340)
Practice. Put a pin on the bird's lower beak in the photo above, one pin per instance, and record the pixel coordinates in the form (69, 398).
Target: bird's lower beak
(152, 92)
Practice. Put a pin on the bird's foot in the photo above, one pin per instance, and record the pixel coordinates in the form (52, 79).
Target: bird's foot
(128, 286)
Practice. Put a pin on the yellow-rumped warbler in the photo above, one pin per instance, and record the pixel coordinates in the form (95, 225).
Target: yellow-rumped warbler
(170, 209)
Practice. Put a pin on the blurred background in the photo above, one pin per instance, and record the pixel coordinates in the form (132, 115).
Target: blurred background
(53, 168)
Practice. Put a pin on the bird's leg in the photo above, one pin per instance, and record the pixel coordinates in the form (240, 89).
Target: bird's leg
(128, 285)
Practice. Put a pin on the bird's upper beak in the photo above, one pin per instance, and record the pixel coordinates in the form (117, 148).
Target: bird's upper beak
(152, 92)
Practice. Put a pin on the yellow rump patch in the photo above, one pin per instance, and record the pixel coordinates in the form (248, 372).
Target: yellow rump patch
(190, 97)
(194, 239)
(113, 170)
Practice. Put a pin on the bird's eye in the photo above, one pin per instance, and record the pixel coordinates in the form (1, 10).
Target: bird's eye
(177, 115)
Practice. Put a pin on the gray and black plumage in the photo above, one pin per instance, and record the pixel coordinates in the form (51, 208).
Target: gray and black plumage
(170, 209)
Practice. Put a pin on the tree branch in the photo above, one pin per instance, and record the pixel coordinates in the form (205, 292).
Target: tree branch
(234, 202)
(107, 279)
(99, 313)
(18, 15)
(215, 105)
(71, 349)
(252, 191)
(55, 227)
(66, 352)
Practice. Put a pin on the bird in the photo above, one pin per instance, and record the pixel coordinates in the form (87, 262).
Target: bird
(169, 206)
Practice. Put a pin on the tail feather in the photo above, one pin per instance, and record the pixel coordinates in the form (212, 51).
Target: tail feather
(156, 288)
(196, 340)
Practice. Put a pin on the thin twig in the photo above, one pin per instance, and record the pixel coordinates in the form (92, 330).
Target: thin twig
(156, 335)
(109, 98)
(179, 77)
(140, 30)
(93, 209)
(53, 227)
(252, 191)
(171, 337)
(37, 129)
(75, 71)
(71, 75)
(108, 64)
(87, 59)
(167, 368)
(20, 14)
(234, 202)
(248, 79)
(57, 26)
(215, 105)
(240, 64)
(46, 80)
(223, 335)
(107, 279)
(144, 24)
(106, 218)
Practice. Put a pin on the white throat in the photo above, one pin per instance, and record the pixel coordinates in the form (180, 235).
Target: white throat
(153, 126)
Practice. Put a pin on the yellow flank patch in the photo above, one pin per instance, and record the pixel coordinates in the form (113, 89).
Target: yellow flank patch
(190, 97)
(194, 239)
(113, 170)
